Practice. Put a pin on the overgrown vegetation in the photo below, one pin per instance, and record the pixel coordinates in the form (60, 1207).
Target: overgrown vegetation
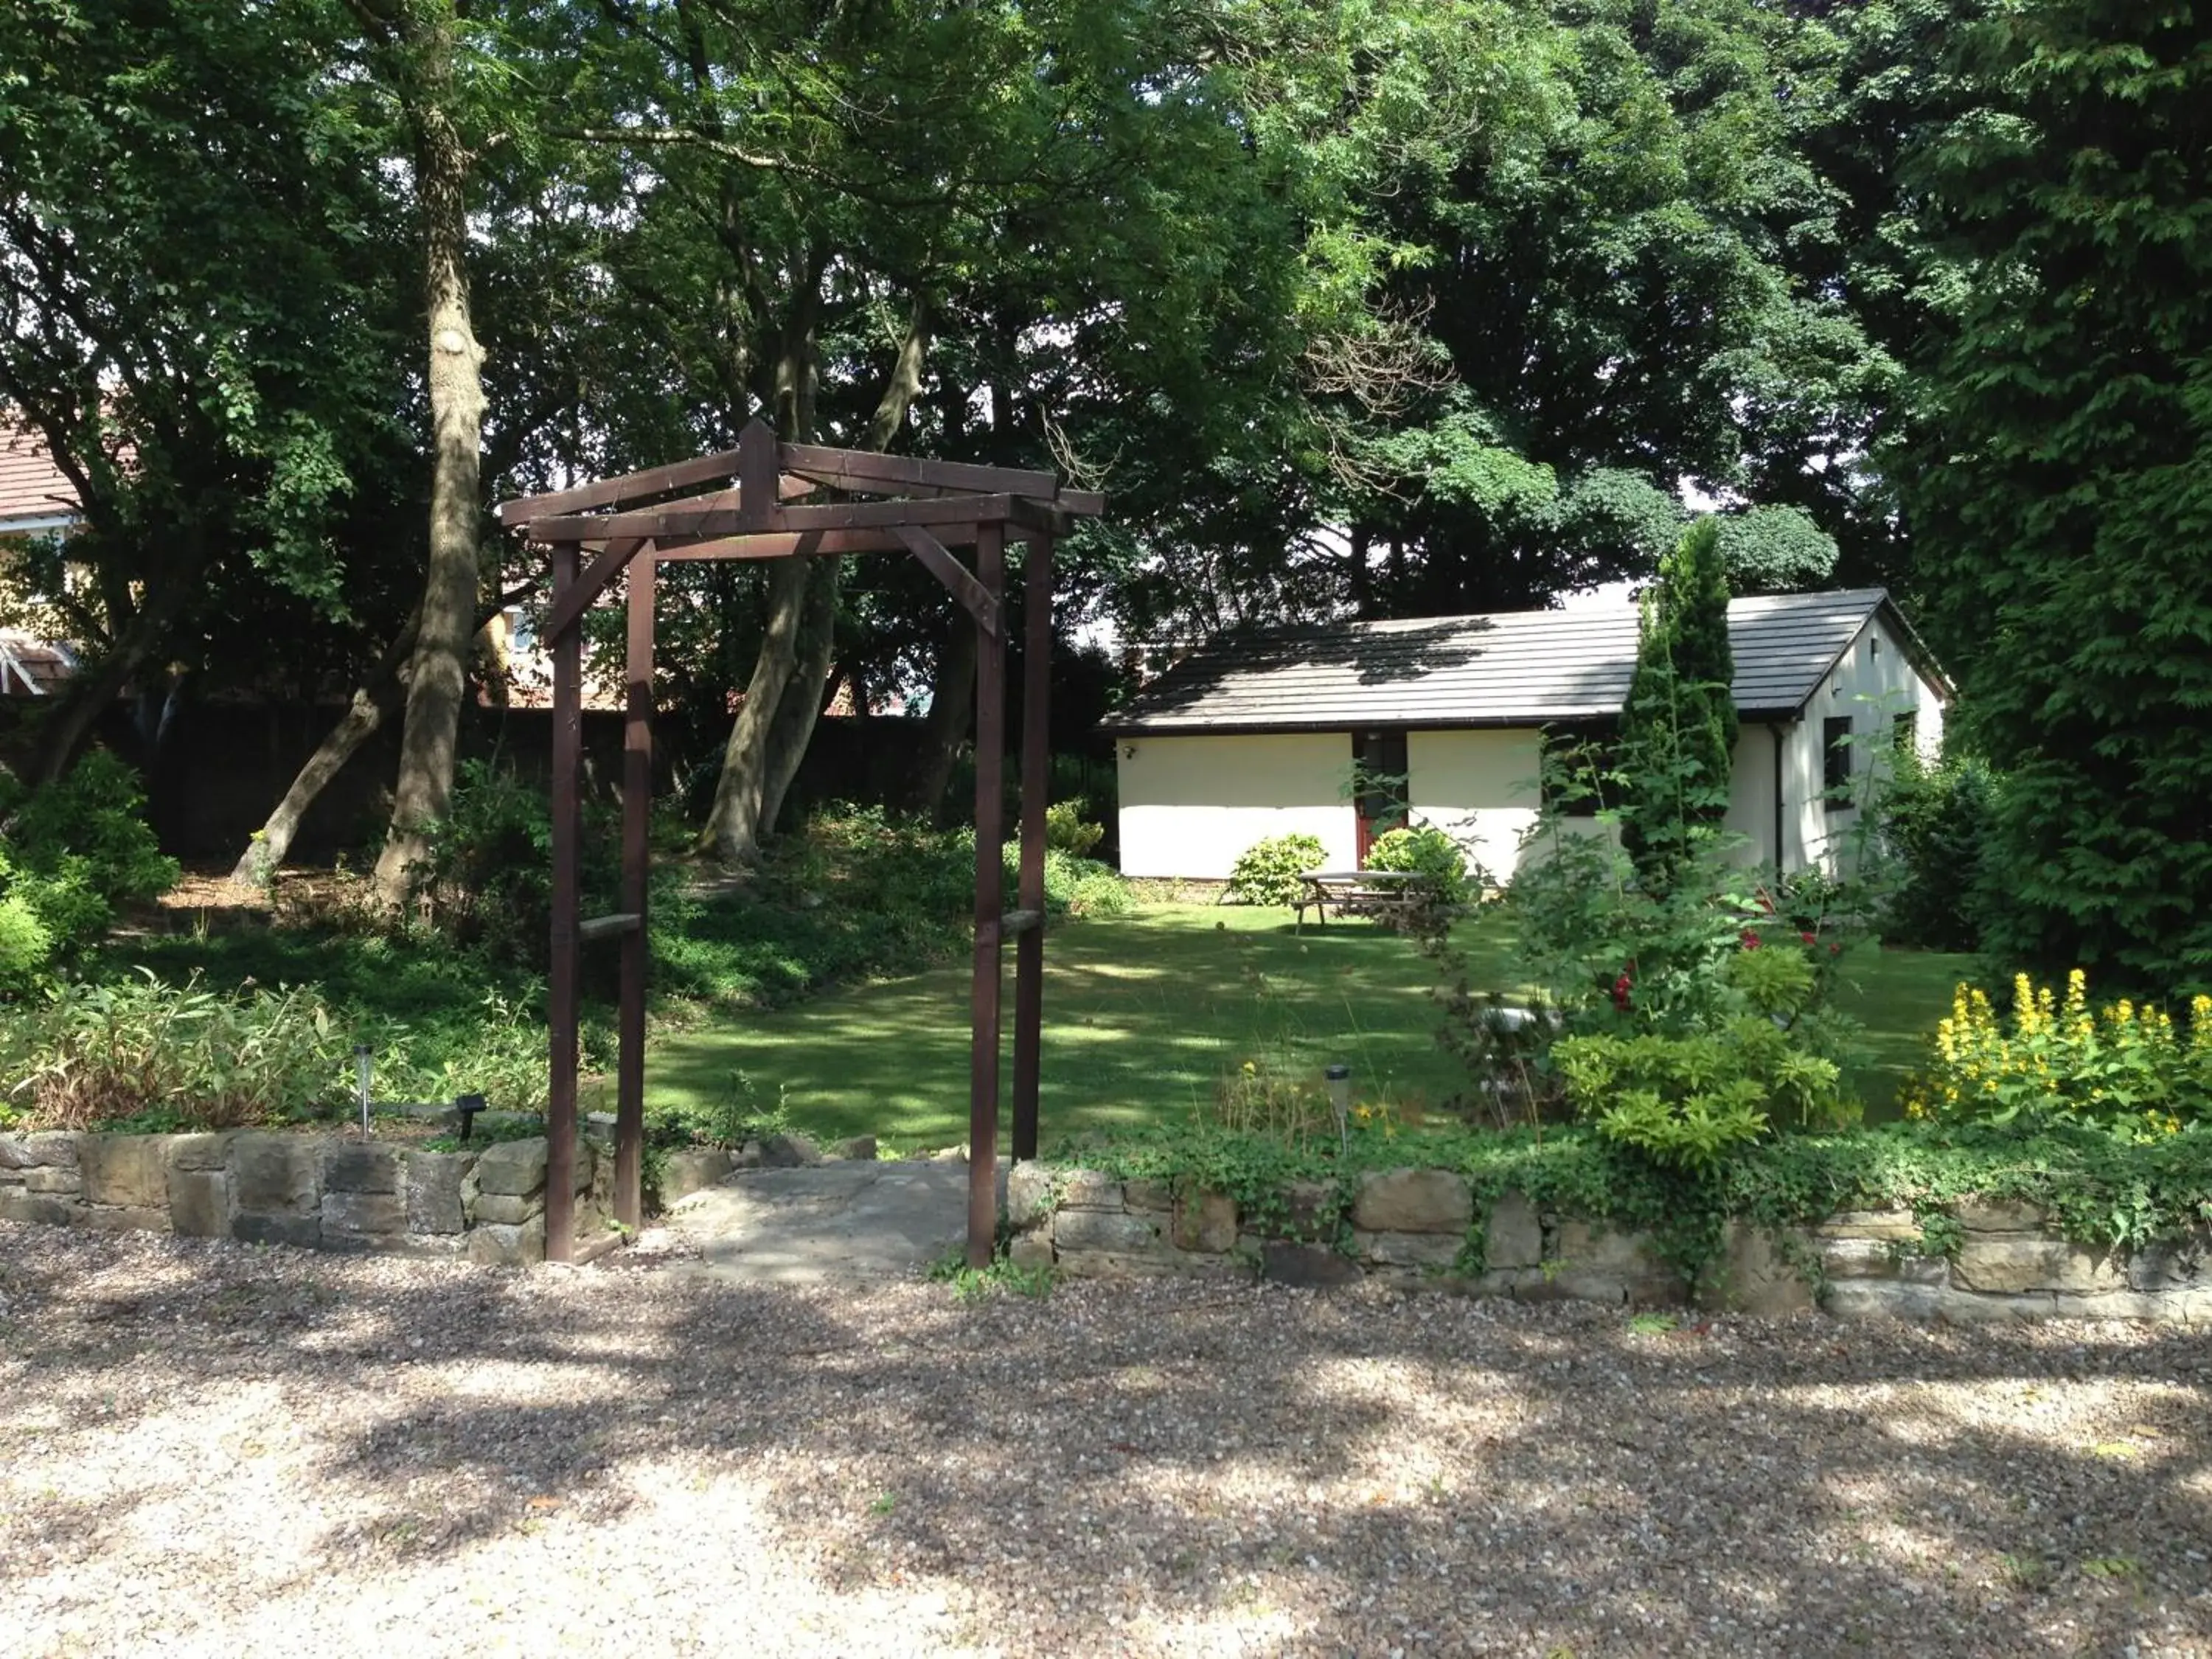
(1936, 822)
(70, 853)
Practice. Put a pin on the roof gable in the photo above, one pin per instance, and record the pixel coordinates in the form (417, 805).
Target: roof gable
(1512, 668)
(34, 494)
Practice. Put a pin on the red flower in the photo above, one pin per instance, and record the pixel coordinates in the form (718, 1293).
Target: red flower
(1620, 987)
(1835, 949)
(1808, 939)
(1751, 940)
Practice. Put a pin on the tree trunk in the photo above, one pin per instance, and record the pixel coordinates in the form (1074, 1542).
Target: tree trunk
(371, 704)
(767, 742)
(438, 678)
(793, 729)
(69, 722)
(732, 831)
(951, 708)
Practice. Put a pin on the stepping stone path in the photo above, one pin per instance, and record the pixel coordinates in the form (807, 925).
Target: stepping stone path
(845, 1220)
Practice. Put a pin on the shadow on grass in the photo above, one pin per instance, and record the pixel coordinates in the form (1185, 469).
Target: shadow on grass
(1259, 1471)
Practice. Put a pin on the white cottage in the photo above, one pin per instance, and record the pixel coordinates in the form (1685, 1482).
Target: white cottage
(1263, 734)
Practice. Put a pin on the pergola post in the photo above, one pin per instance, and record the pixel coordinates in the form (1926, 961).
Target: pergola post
(1036, 792)
(636, 857)
(561, 988)
(990, 903)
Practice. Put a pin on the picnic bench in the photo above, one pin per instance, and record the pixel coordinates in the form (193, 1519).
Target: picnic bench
(1384, 894)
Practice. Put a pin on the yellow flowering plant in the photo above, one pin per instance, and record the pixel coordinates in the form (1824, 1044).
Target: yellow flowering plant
(2123, 1063)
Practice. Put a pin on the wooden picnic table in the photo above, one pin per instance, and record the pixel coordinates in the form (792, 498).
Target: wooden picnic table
(1386, 895)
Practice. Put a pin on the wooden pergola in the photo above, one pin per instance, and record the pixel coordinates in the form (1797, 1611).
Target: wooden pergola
(766, 499)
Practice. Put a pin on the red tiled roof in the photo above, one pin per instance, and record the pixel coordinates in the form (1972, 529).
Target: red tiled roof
(30, 667)
(33, 491)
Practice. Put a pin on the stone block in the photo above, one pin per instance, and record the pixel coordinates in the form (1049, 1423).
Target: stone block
(276, 1175)
(1757, 1275)
(55, 1180)
(1989, 1216)
(1514, 1234)
(200, 1151)
(1029, 1192)
(1104, 1230)
(513, 1168)
(1879, 1258)
(1206, 1222)
(1879, 1298)
(503, 1246)
(361, 1219)
(34, 1210)
(1148, 1195)
(857, 1149)
(200, 1202)
(1310, 1210)
(1088, 1189)
(692, 1170)
(2171, 1265)
(127, 1171)
(792, 1151)
(434, 1191)
(122, 1217)
(1603, 1264)
(1031, 1252)
(504, 1209)
(358, 1169)
(278, 1227)
(1427, 1252)
(2012, 1263)
(2164, 1306)
(40, 1149)
(1900, 1225)
(1311, 1267)
(1113, 1264)
(1411, 1201)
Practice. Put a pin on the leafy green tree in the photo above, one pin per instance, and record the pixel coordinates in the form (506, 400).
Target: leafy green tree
(2060, 491)
(1679, 724)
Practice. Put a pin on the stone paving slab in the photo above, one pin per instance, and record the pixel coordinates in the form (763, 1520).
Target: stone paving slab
(838, 1221)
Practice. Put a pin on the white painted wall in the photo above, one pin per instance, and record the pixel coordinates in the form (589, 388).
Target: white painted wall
(1751, 794)
(1190, 805)
(1479, 787)
(1872, 683)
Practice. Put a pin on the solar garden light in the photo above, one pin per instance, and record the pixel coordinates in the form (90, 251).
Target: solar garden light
(363, 1064)
(1340, 1102)
(465, 1107)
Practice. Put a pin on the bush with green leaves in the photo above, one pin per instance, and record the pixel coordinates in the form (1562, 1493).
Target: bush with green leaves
(486, 880)
(178, 1056)
(1269, 871)
(1429, 850)
(1066, 830)
(70, 853)
(1933, 827)
(1678, 726)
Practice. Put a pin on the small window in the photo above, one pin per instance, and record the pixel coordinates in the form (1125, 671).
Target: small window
(1380, 778)
(1578, 764)
(1836, 761)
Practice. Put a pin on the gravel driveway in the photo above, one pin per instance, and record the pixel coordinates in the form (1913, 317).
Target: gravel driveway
(212, 1449)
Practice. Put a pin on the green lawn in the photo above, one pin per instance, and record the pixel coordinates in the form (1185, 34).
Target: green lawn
(1144, 1015)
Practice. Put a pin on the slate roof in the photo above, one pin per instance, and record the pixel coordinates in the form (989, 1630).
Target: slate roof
(34, 493)
(1513, 668)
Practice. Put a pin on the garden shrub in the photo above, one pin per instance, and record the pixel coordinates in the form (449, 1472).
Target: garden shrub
(1429, 850)
(180, 1056)
(1267, 872)
(487, 878)
(2124, 1065)
(1934, 825)
(1678, 726)
(1066, 830)
(70, 853)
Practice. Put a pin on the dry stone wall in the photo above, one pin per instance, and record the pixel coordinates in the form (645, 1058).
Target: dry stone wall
(1414, 1227)
(318, 1192)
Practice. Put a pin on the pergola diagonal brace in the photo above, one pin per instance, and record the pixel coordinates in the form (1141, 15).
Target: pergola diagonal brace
(568, 609)
(940, 564)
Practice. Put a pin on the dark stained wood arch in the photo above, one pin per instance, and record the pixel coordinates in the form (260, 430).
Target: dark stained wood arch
(766, 499)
